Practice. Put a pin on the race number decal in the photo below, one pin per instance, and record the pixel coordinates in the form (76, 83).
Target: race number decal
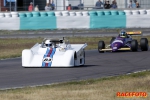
(48, 57)
(47, 60)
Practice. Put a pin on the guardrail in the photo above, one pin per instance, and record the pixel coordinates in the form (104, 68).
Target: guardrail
(75, 19)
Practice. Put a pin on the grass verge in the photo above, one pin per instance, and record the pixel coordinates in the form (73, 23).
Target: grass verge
(13, 47)
(98, 89)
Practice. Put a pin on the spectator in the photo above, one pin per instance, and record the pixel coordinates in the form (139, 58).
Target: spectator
(115, 2)
(130, 4)
(81, 6)
(107, 5)
(30, 8)
(36, 8)
(134, 4)
(69, 7)
(137, 4)
(53, 5)
(47, 7)
(114, 5)
(98, 4)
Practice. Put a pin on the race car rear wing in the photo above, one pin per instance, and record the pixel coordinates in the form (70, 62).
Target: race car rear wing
(135, 33)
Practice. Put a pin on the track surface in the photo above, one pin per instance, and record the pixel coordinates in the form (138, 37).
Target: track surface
(12, 74)
(67, 34)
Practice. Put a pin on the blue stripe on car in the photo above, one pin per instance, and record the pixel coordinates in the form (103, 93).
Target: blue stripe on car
(51, 56)
(45, 55)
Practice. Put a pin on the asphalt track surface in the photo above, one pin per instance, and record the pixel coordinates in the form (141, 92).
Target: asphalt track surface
(65, 34)
(13, 75)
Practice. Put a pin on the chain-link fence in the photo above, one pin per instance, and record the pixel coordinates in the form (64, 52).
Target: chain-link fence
(22, 5)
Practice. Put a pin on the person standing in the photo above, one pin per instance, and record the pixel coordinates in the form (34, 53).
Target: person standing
(133, 4)
(69, 7)
(98, 4)
(107, 5)
(130, 4)
(30, 8)
(114, 5)
(53, 5)
(36, 8)
(137, 4)
(47, 7)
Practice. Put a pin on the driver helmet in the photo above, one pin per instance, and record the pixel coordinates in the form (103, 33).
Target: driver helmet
(48, 43)
(123, 33)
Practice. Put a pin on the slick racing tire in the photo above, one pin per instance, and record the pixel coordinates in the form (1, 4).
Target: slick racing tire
(84, 57)
(134, 45)
(144, 44)
(112, 39)
(101, 45)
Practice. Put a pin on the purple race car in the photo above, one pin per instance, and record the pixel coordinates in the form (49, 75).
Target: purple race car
(124, 42)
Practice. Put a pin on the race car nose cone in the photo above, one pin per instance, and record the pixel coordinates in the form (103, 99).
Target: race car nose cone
(116, 46)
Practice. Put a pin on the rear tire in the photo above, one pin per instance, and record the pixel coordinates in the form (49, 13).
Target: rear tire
(101, 45)
(84, 57)
(75, 58)
(134, 45)
(144, 44)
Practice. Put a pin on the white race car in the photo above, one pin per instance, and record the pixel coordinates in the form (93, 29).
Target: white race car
(54, 53)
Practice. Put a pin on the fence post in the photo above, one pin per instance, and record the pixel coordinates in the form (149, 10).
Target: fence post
(126, 4)
(0, 6)
(10, 5)
(15, 5)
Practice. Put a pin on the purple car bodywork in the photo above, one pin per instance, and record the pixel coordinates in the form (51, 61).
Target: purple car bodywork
(118, 43)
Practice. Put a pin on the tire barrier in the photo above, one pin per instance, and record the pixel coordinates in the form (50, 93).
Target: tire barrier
(75, 19)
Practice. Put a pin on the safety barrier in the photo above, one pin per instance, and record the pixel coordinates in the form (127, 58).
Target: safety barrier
(77, 20)
(67, 20)
(107, 19)
(9, 21)
(138, 19)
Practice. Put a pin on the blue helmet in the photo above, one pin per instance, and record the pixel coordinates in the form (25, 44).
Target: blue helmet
(123, 33)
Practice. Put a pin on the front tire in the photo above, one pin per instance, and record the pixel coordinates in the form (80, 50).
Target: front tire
(101, 45)
(144, 44)
(134, 45)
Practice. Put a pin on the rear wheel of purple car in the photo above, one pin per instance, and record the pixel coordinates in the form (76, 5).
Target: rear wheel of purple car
(134, 45)
(144, 44)
(101, 45)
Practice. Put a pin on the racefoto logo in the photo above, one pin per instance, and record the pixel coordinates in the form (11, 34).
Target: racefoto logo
(131, 94)
(47, 59)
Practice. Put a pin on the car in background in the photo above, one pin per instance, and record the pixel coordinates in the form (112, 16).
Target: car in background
(126, 43)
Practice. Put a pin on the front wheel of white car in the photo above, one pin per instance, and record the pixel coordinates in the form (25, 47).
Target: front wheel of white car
(84, 56)
(75, 58)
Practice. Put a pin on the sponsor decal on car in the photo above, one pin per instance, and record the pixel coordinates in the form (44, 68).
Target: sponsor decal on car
(114, 47)
(48, 57)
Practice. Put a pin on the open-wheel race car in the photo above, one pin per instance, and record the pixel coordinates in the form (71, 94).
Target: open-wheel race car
(54, 53)
(124, 42)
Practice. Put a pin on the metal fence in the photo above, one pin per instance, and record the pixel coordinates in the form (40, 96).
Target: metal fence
(22, 5)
